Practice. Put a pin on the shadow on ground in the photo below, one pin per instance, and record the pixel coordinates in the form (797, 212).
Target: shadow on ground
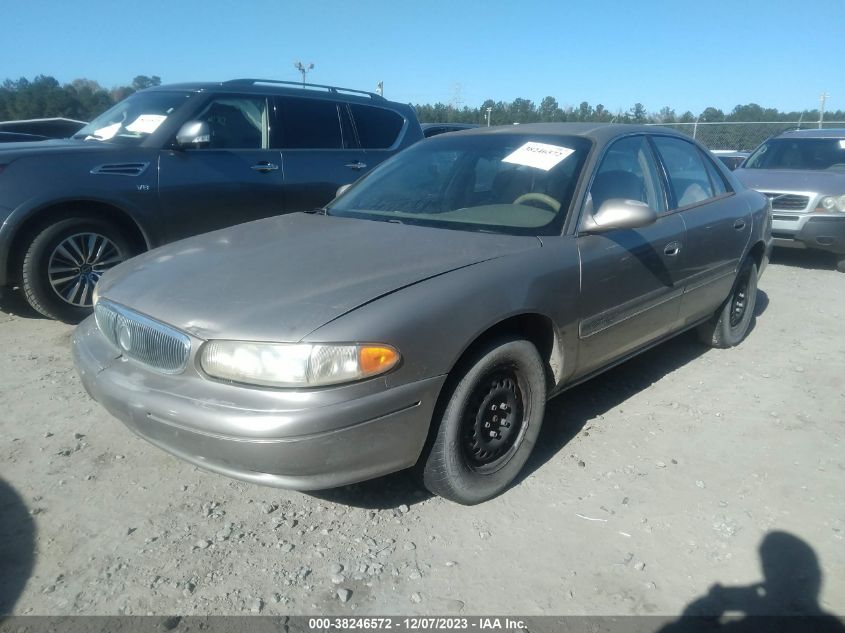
(383, 493)
(787, 599)
(570, 412)
(17, 547)
(13, 302)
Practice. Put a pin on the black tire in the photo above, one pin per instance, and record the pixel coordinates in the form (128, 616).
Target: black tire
(462, 466)
(42, 290)
(840, 264)
(731, 323)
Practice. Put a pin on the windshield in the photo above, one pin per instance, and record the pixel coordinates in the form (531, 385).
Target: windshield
(135, 118)
(504, 183)
(799, 153)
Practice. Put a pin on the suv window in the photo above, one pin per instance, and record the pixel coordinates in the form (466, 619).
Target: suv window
(377, 128)
(236, 122)
(688, 177)
(307, 124)
(628, 171)
(132, 120)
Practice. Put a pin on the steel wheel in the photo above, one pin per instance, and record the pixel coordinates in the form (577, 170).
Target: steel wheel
(77, 263)
(739, 302)
(493, 420)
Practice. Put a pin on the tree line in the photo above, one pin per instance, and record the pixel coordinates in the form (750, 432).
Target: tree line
(81, 99)
(549, 110)
(84, 99)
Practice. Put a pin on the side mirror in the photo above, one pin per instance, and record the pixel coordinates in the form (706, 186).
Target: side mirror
(193, 134)
(617, 213)
(342, 190)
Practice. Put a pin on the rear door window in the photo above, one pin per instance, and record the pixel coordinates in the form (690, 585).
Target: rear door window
(378, 128)
(685, 168)
(719, 186)
(307, 124)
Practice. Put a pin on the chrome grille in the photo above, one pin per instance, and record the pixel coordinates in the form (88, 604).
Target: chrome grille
(787, 201)
(143, 339)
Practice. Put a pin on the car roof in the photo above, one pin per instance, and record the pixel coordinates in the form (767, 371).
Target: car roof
(598, 132)
(273, 86)
(816, 133)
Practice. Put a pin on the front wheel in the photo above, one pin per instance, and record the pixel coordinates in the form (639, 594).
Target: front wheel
(63, 263)
(489, 425)
(730, 324)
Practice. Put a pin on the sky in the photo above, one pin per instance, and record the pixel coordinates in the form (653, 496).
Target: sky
(684, 55)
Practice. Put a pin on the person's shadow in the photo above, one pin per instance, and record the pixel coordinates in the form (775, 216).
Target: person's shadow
(785, 601)
(17, 547)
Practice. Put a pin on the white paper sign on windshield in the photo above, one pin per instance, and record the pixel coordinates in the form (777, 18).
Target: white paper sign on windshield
(105, 133)
(146, 123)
(540, 155)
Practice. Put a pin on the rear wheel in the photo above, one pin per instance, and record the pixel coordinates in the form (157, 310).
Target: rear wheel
(489, 425)
(730, 324)
(64, 262)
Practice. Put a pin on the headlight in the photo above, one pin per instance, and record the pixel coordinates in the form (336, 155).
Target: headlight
(831, 203)
(295, 364)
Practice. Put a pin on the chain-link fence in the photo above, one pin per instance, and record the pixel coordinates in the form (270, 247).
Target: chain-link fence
(741, 136)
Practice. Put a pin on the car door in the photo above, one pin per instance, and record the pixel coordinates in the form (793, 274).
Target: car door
(718, 225)
(630, 288)
(320, 151)
(234, 177)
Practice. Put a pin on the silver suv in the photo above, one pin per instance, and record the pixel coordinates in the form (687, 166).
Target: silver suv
(803, 174)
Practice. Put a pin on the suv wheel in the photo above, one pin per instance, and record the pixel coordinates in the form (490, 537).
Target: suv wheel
(489, 425)
(731, 322)
(65, 260)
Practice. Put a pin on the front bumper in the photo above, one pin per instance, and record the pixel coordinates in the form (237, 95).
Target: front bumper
(305, 440)
(822, 232)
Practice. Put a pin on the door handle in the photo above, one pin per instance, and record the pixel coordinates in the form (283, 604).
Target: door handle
(357, 165)
(739, 224)
(264, 167)
(672, 249)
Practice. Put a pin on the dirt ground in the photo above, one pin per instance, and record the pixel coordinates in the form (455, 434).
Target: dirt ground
(679, 470)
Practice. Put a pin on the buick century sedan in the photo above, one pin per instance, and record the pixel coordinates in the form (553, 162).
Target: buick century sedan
(424, 317)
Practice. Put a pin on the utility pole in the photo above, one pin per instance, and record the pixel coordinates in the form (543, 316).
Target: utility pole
(489, 110)
(303, 69)
(824, 97)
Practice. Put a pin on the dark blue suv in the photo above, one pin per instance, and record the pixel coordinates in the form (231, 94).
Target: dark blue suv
(174, 161)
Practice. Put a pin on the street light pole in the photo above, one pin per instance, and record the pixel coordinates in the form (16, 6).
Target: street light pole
(824, 97)
(303, 69)
(489, 110)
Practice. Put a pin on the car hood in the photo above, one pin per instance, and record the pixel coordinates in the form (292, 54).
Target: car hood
(281, 278)
(823, 182)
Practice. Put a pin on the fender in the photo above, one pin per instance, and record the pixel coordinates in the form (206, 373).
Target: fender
(32, 207)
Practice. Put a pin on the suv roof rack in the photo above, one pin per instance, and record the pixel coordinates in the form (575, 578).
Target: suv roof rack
(299, 84)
